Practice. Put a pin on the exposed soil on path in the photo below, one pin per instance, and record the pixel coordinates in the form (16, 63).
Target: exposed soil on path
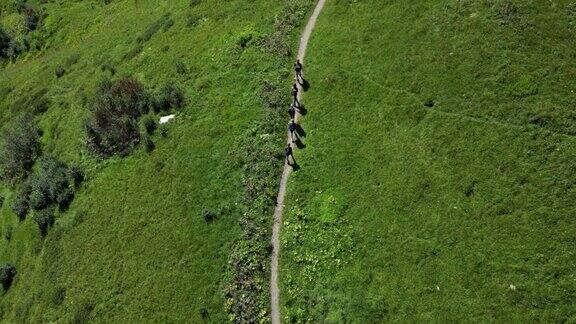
(274, 291)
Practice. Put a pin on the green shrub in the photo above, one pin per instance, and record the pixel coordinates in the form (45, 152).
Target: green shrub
(209, 216)
(192, 21)
(32, 15)
(7, 274)
(60, 71)
(50, 185)
(45, 220)
(137, 49)
(77, 175)
(170, 97)
(113, 126)
(149, 145)
(82, 313)
(8, 233)
(150, 124)
(5, 41)
(168, 24)
(20, 147)
(21, 206)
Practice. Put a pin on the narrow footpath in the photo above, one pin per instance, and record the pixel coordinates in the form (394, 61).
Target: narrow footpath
(274, 291)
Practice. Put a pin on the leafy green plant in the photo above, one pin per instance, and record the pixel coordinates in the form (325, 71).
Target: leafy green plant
(7, 274)
(170, 97)
(45, 220)
(5, 41)
(20, 147)
(113, 127)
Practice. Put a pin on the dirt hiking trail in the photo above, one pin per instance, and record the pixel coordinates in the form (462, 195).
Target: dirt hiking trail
(274, 291)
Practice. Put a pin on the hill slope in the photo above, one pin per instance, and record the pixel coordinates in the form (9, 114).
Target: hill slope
(437, 182)
(134, 244)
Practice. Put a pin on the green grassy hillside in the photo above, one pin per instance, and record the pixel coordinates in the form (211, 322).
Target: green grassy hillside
(134, 245)
(460, 211)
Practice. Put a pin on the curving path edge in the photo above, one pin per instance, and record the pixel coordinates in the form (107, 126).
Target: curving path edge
(274, 291)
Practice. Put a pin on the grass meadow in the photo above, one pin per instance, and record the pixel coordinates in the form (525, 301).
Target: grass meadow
(134, 245)
(462, 211)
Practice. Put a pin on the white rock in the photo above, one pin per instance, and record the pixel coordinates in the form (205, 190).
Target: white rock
(165, 119)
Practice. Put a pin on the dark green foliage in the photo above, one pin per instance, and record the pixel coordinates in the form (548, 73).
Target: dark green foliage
(82, 313)
(21, 206)
(60, 71)
(209, 216)
(5, 41)
(7, 274)
(51, 185)
(32, 15)
(168, 24)
(108, 67)
(149, 145)
(77, 175)
(429, 103)
(20, 147)
(133, 52)
(170, 97)
(1, 201)
(8, 233)
(45, 220)
(113, 127)
(150, 124)
(192, 21)
(58, 296)
(195, 2)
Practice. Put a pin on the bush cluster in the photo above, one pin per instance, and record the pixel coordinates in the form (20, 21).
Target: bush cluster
(52, 186)
(20, 148)
(113, 126)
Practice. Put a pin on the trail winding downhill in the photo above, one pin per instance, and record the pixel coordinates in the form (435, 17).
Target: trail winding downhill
(274, 291)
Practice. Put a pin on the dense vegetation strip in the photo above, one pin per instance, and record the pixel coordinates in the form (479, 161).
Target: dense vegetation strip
(261, 156)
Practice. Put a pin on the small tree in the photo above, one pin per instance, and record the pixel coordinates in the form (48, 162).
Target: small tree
(45, 219)
(113, 127)
(20, 147)
(7, 274)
